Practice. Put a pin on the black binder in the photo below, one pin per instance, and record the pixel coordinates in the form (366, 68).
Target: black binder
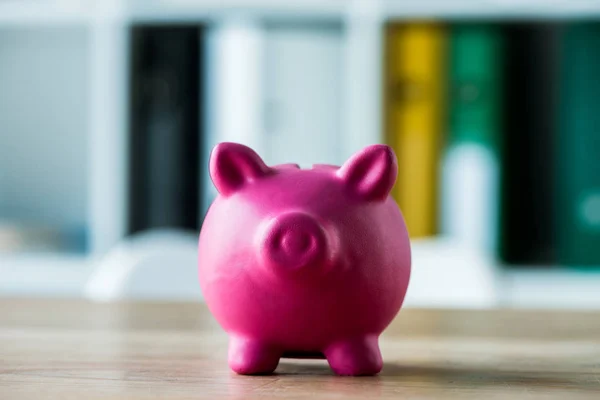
(165, 127)
(530, 106)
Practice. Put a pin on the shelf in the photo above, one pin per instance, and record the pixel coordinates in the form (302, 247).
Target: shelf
(532, 288)
(444, 275)
(30, 12)
(187, 10)
(77, 12)
(44, 274)
(192, 10)
(35, 13)
(519, 9)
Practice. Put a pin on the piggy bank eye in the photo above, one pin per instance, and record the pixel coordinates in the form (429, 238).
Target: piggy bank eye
(232, 165)
(371, 173)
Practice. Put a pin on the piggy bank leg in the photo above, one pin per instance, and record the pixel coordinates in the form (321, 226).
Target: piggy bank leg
(252, 357)
(359, 356)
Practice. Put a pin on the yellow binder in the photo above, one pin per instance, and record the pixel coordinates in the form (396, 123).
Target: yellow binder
(414, 97)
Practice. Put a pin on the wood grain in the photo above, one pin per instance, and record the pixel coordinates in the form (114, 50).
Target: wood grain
(60, 349)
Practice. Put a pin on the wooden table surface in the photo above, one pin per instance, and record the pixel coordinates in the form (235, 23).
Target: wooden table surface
(60, 349)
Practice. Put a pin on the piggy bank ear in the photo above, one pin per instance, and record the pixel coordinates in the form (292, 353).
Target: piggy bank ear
(232, 165)
(371, 172)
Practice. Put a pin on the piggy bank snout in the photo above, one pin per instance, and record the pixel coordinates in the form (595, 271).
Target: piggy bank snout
(295, 241)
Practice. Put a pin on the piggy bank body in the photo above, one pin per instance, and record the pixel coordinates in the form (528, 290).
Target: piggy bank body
(304, 262)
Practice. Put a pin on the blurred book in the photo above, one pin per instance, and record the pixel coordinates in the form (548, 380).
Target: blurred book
(165, 127)
(471, 160)
(578, 150)
(414, 92)
(530, 105)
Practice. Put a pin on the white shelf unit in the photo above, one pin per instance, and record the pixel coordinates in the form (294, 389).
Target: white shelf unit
(106, 24)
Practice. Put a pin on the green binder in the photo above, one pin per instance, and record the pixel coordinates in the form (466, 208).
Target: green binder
(476, 80)
(471, 166)
(578, 150)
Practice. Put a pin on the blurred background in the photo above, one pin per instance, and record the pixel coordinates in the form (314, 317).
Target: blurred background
(109, 109)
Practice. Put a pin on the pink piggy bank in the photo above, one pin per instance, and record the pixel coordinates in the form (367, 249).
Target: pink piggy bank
(304, 262)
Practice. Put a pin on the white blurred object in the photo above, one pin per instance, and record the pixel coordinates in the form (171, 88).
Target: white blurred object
(303, 94)
(162, 265)
(154, 265)
(551, 288)
(362, 76)
(108, 139)
(43, 93)
(234, 89)
(470, 207)
(43, 274)
(15, 238)
(448, 274)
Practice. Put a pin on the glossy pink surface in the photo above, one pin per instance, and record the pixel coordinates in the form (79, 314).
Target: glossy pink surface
(304, 261)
